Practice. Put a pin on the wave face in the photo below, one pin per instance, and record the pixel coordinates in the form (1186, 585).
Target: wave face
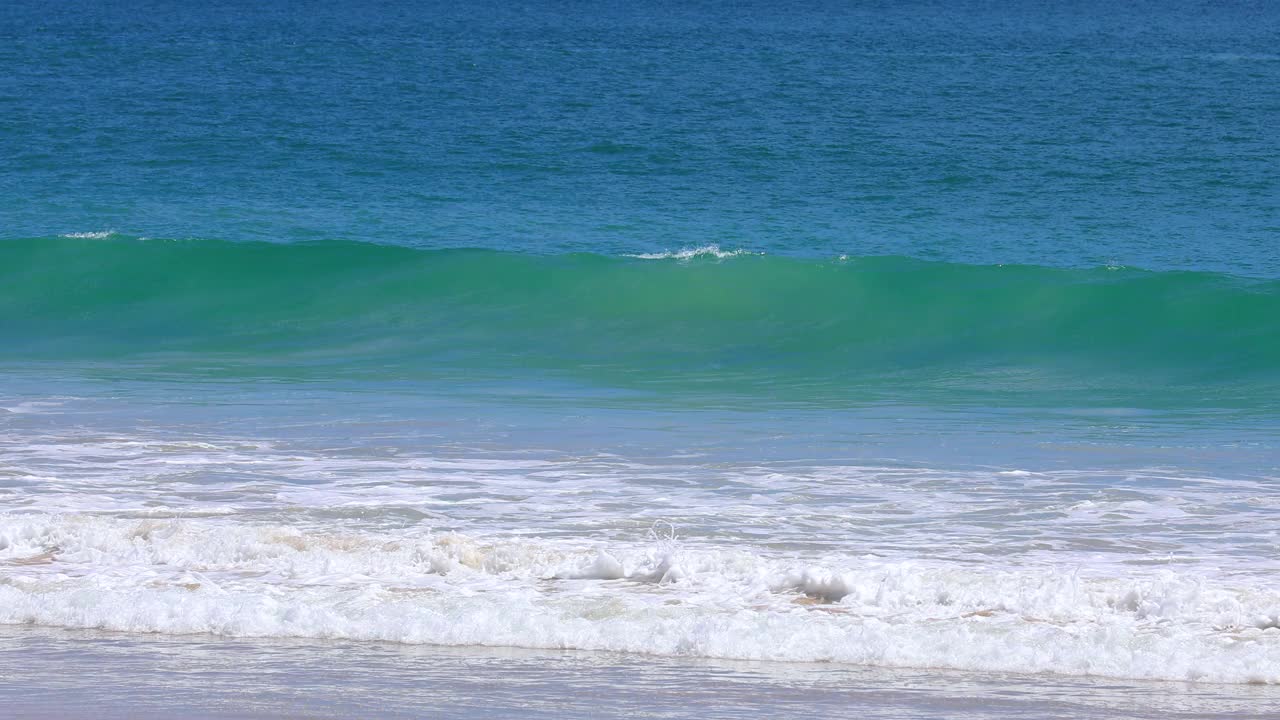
(664, 598)
(696, 321)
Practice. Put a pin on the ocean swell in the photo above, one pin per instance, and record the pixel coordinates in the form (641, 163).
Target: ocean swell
(694, 321)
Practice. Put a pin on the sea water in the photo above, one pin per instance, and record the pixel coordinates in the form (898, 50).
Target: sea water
(931, 346)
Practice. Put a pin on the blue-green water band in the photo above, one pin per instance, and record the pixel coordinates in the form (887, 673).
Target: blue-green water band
(747, 324)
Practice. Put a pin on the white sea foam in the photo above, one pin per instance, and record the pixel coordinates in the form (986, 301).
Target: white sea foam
(1145, 517)
(232, 578)
(1143, 573)
(95, 235)
(690, 253)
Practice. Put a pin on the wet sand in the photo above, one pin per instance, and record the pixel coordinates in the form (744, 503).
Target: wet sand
(53, 673)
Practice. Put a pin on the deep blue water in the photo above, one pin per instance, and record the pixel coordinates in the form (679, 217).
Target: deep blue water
(1143, 134)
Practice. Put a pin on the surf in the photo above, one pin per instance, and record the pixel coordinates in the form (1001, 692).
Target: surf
(181, 576)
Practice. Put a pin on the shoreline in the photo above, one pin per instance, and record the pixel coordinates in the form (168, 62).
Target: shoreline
(62, 673)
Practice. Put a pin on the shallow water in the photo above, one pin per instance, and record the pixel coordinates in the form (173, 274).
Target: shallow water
(385, 526)
(159, 676)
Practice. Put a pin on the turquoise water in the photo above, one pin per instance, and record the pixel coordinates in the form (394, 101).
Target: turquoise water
(904, 335)
(712, 326)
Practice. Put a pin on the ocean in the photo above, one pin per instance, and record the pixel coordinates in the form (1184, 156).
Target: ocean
(640, 359)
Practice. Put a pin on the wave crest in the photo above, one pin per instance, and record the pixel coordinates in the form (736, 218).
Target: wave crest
(713, 251)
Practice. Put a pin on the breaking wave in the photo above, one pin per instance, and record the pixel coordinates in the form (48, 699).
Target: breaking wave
(662, 598)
